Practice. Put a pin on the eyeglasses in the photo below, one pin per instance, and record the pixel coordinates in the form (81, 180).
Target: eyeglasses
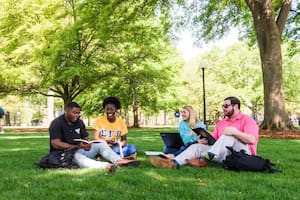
(226, 105)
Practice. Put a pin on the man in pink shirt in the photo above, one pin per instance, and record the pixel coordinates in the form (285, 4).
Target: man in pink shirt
(236, 130)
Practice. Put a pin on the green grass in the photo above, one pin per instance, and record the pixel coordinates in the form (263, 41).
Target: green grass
(20, 179)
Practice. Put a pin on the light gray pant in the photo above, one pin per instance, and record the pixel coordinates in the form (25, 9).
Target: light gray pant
(219, 149)
(86, 159)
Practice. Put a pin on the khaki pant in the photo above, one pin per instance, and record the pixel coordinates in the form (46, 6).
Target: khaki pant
(86, 159)
(219, 149)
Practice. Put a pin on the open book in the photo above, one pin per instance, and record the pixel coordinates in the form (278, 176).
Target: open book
(204, 134)
(156, 153)
(88, 141)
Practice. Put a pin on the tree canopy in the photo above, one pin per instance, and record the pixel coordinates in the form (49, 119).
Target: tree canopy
(71, 46)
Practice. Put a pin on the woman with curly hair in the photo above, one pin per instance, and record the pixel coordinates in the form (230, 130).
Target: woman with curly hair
(113, 129)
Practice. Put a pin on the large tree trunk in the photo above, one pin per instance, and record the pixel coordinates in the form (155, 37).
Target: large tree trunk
(268, 34)
(275, 116)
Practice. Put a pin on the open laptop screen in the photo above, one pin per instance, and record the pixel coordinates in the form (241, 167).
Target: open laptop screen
(172, 140)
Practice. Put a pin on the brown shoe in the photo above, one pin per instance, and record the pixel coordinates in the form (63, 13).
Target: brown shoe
(161, 162)
(128, 163)
(131, 157)
(197, 162)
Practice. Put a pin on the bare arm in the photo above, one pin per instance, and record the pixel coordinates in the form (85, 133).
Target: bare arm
(244, 137)
(58, 144)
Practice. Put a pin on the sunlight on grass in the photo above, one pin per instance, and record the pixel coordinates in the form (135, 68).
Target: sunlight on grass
(163, 175)
(23, 137)
(156, 176)
(150, 139)
(15, 149)
(70, 172)
(75, 173)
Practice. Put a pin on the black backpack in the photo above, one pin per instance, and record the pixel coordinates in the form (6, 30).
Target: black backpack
(240, 161)
(58, 159)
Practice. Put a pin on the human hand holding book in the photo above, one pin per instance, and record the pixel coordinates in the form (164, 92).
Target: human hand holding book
(121, 149)
(88, 141)
(204, 134)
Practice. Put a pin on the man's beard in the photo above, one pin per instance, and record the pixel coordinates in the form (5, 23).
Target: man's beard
(230, 113)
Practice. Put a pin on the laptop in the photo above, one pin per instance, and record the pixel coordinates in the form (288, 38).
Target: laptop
(172, 140)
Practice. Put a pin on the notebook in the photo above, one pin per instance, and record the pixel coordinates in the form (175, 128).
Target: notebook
(172, 140)
(156, 153)
(204, 134)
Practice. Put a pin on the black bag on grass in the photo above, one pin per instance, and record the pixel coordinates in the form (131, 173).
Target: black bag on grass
(58, 159)
(240, 161)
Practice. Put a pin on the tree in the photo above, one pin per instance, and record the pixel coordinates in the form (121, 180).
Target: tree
(73, 43)
(144, 79)
(291, 76)
(212, 19)
(230, 71)
(13, 55)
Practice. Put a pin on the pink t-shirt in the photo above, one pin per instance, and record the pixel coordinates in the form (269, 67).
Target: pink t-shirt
(244, 124)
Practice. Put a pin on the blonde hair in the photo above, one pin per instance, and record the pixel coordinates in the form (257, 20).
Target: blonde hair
(193, 119)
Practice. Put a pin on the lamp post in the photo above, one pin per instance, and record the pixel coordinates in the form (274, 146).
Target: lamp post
(203, 84)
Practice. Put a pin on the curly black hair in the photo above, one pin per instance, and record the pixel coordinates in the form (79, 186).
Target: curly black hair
(111, 100)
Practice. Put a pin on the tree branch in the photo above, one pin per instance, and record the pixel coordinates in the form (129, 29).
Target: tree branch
(283, 15)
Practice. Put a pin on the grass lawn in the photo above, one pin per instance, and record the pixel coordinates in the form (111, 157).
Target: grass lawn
(21, 179)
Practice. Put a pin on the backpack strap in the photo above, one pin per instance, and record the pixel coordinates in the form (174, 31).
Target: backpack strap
(230, 149)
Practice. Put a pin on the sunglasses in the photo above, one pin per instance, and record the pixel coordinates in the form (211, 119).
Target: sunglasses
(226, 105)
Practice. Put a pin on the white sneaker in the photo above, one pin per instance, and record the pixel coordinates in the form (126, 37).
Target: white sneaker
(2, 132)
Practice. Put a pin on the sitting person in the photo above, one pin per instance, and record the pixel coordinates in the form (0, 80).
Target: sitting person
(113, 130)
(236, 130)
(189, 121)
(67, 127)
(2, 113)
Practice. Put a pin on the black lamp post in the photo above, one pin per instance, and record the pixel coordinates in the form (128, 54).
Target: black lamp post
(203, 83)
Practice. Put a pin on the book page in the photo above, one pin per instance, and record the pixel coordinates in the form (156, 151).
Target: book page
(153, 153)
(88, 142)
